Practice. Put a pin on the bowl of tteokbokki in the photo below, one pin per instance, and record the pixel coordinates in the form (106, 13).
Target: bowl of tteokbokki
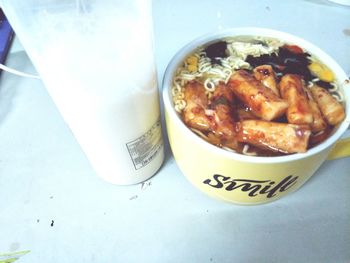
(252, 113)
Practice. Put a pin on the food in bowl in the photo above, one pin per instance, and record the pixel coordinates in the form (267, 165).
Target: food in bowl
(257, 96)
(239, 177)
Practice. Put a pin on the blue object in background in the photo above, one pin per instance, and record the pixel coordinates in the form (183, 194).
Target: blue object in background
(6, 37)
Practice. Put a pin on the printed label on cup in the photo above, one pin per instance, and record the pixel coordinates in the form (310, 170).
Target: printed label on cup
(143, 149)
(252, 187)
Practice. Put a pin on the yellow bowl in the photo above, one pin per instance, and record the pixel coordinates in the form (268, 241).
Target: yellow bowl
(235, 177)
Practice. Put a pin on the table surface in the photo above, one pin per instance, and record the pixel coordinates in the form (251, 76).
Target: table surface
(53, 204)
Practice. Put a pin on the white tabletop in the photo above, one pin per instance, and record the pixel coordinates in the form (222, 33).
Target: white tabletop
(53, 204)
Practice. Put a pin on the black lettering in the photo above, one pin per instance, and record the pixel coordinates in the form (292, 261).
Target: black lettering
(273, 191)
(267, 187)
(253, 187)
(218, 179)
(246, 186)
(289, 184)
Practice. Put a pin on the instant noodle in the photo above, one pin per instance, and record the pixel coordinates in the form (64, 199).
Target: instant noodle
(289, 96)
(246, 112)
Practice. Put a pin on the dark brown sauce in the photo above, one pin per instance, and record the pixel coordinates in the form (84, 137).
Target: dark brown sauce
(288, 60)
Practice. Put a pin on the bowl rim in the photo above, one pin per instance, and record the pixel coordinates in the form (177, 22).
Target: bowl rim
(264, 32)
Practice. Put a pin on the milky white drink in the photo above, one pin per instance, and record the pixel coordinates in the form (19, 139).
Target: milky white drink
(96, 59)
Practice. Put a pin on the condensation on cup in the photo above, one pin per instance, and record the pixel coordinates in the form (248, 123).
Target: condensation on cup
(97, 62)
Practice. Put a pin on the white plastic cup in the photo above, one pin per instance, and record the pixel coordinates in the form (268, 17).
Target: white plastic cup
(97, 62)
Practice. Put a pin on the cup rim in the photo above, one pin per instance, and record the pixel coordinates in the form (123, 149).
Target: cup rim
(264, 32)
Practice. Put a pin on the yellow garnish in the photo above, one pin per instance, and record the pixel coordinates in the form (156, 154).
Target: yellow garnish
(192, 63)
(321, 71)
(192, 60)
(192, 68)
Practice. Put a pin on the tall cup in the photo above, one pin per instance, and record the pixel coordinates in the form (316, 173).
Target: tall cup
(97, 62)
